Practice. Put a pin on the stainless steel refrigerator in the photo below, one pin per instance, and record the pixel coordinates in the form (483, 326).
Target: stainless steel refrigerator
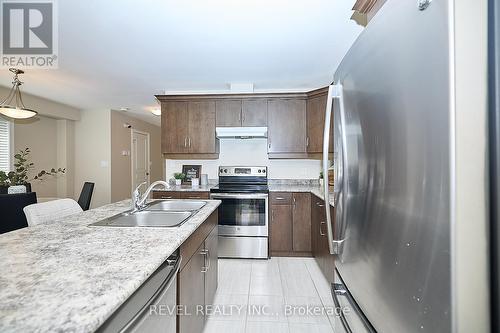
(391, 103)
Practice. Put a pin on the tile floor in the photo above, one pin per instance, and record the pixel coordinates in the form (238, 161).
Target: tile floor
(271, 296)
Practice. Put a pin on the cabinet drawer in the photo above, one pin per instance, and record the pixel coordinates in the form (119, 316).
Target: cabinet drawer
(281, 198)
(195, 195)
(166, 195)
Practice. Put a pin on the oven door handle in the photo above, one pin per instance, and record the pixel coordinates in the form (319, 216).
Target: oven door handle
(239, 196)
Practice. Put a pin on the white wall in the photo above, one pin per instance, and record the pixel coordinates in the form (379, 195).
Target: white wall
(250, 152)
(470, 264)
(93, 154)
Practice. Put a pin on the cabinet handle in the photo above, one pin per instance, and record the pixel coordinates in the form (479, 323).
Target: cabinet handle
(307, 141)
(272, 215)
(165, 197)
(294, 201)
(319, 204)
(279, 198)
(208, 258)
(320, 231)
(204, 253)
(189, 142)
(185, 142)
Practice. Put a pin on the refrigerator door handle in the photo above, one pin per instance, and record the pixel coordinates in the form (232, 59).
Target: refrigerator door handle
(335, 245)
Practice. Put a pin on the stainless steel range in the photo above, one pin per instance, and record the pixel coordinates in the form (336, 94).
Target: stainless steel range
(243, 214)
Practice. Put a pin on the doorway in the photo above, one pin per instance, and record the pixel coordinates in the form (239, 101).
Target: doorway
(140, 158)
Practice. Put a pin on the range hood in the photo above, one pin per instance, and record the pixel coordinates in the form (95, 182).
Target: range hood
(241, 132)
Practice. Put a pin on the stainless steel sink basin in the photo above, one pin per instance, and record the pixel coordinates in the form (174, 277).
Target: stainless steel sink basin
(177, 205)
(145, 218)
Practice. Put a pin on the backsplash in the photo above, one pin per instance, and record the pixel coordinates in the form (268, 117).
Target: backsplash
(250, 152)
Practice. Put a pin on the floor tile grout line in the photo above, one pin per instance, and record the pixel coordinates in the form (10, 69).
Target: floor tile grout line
(320, 299)
(248, 297)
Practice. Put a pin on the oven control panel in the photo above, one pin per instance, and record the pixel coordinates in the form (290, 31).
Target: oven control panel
(243, 171)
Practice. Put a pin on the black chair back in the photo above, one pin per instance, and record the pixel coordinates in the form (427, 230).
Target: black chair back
(86, 195)
(11, 208)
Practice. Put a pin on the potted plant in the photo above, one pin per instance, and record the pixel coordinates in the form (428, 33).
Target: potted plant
(18, 180)
(179, 176)
(321, 179)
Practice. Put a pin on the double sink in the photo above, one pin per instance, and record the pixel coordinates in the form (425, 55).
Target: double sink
(162, 213)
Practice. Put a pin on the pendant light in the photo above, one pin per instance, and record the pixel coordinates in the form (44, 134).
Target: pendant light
(17, 111)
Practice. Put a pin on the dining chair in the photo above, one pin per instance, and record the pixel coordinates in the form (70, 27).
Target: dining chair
(86, 195)
(11, 208)
(49, 211)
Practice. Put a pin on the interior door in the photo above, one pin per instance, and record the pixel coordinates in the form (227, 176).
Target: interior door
(140, 158)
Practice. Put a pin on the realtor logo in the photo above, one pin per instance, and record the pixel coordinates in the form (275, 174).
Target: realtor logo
(29, 34)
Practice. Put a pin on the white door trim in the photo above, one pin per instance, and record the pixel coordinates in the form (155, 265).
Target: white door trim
(132, 152)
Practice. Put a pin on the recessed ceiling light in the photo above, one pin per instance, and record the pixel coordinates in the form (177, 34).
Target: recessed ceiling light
(124, 109)
(156, 112)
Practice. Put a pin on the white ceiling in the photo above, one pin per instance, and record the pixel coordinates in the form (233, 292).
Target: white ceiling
(116, 54)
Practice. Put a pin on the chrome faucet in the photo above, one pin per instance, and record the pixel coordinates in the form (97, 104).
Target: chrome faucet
(138, 200)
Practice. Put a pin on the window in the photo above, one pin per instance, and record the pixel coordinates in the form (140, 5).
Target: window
(5, 149)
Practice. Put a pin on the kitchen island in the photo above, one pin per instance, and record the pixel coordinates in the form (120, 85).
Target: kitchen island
(67, 276)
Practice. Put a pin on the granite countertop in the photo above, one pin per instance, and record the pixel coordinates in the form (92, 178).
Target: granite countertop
(69, 277)
(275, 185)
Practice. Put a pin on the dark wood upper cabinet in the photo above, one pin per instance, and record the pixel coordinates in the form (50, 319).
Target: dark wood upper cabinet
(228, 113)
(302, 222)
(316, 107)
(286, 126)
(201, 127)
(295, 122)
(254, 112)
(174, 125)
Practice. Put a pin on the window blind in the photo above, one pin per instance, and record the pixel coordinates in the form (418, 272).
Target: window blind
(5, 153)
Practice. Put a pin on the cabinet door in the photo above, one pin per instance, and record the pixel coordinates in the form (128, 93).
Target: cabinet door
(166, 195)
(195, 195)
(316, 108)
(254, 112)
(211, 274)
(281, 228)
(329, 260)
(228, 113)
(201, 123)
(302, 222)
(192, 293)
(286, 126)
(315, 226)
(174, 127)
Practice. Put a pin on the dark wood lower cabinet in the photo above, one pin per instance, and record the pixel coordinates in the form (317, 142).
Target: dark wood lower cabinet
(195, 195)
(320, 249)
(301, 222)
(192, 294)
(166, 195)
(290, 226)
(281, 229)
(211, 267)
(197, 279)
